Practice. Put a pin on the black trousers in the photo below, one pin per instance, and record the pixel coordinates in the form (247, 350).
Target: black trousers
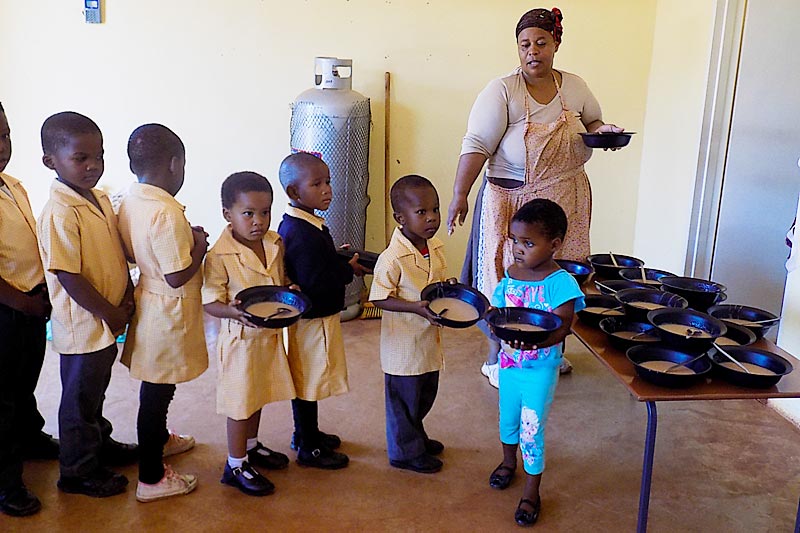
(306, 424)
(22, 346)
(151, 428)
(408, 400)
(82, 427)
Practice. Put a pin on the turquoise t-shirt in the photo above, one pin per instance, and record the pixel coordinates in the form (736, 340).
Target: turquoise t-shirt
(548, 294)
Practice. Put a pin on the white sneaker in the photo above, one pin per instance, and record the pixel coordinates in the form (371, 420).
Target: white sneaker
(565, 367)
(172, 484)
(178, 444)
(490, 371)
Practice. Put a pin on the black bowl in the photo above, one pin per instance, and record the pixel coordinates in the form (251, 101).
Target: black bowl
(458, 291)
(607, 140)
(605, 268)
(732, 314)
(690, 320)
(599, 300)
(652, 275)
(613, 326)
(629, 297)
(736, 334)
(365, 258)
(700, 293)
(505, 320)
(744, 354)
(644, 353)
(580, 271)
(612, 286)
(273, 293)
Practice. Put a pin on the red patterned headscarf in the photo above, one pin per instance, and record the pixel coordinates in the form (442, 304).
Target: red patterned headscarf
(548, 20)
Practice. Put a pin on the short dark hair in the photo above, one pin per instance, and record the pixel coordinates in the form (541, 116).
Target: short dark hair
(398, 192)
(293, 166)
(152, 145)
(58, 128)
(1, 108)
(545, 213)
(240, 182)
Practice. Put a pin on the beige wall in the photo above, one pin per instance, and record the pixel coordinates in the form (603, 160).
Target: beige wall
(222, 75)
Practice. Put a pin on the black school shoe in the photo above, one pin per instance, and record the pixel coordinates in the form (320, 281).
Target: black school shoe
(424, 464)
(101, 483)
(247, 479)
(41, 446)
(328, 440)
(323, 457)
(113, 453)
(266, 458)
(19, 501)
(433, 447)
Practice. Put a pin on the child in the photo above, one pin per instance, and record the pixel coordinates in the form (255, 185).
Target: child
(89, 285)
(252, 366)
(24, 308)
(411, 343)
(316, 350)
(529, 374)
(165, 344)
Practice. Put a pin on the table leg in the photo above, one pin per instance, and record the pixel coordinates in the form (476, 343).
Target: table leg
(647, 467)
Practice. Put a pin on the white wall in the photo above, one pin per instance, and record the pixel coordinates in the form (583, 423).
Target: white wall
(222, 75)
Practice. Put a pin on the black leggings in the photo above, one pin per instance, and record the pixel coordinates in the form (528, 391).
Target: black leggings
(151, 428)
(306, 424)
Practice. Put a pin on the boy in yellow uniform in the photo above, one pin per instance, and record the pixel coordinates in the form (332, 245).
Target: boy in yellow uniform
(92, 297)
(316, 349)
(24, 308)
(252, 366)
(165, 344)
(411, 343)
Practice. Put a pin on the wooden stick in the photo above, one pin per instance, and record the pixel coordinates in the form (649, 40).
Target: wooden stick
(387, 214)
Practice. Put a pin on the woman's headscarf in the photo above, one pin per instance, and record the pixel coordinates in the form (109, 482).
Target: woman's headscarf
(547, 19)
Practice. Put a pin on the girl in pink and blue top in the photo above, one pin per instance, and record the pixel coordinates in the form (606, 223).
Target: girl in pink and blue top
(528, 374)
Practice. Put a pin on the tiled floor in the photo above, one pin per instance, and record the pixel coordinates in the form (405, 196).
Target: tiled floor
(722, 466)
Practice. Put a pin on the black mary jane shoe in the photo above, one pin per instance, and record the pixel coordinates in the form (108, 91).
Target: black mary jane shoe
(527, 518)
(498, 480)
(266, 458)
(247, 479)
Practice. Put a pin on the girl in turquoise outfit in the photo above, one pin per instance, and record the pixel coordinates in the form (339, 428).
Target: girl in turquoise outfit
(529, 374)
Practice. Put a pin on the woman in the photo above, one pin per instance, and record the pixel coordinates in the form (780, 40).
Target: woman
(527, 125)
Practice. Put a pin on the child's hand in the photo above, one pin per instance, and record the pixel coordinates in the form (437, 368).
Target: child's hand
(238, 314)
(358, 268)
(38, 305)
(117, 319)
(295, 287)
(421, 308)
(200, 237)
(517, 345)
(451, 281)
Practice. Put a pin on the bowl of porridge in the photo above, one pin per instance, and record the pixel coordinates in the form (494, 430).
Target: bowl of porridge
(580, 271)
(756, 320)
(457, 305)
(687, 330)
(612, 286)
(700, 293)
(273, 306)
(652, 276)
(530, 326)
(609, 265)
(736, 336)
(765, 368)
(598, 307)
(656, 364)
(638, 302)
(623, 333)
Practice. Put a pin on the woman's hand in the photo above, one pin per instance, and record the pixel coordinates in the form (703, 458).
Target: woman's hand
(609, 128)
(459, 207)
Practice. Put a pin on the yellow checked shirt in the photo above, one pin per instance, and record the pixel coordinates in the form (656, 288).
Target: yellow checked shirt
(20, 264)
(252, 366)
(166, 340)
(75, 237)
(410, 345)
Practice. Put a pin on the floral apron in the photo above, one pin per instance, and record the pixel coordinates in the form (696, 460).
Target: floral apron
(554, 159)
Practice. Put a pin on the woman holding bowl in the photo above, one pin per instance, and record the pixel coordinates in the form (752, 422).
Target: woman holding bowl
(527, 124)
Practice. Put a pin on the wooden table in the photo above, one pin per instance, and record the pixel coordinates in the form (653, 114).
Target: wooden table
(715, 389)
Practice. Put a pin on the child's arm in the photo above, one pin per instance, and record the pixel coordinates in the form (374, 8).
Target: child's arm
(199, 248)
(84, 293)
(565, 312)
(37, 305)
(420, 308)
(220, 310)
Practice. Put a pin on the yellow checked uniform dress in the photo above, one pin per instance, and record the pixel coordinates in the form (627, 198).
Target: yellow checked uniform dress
(252, 366)
(410, 345)
(20, 264)
(166, 340)
(76, 237)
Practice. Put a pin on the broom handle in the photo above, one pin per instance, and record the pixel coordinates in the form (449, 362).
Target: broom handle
(387, 217)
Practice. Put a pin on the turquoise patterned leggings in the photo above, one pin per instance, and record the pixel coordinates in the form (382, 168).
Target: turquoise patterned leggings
(525, 398)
